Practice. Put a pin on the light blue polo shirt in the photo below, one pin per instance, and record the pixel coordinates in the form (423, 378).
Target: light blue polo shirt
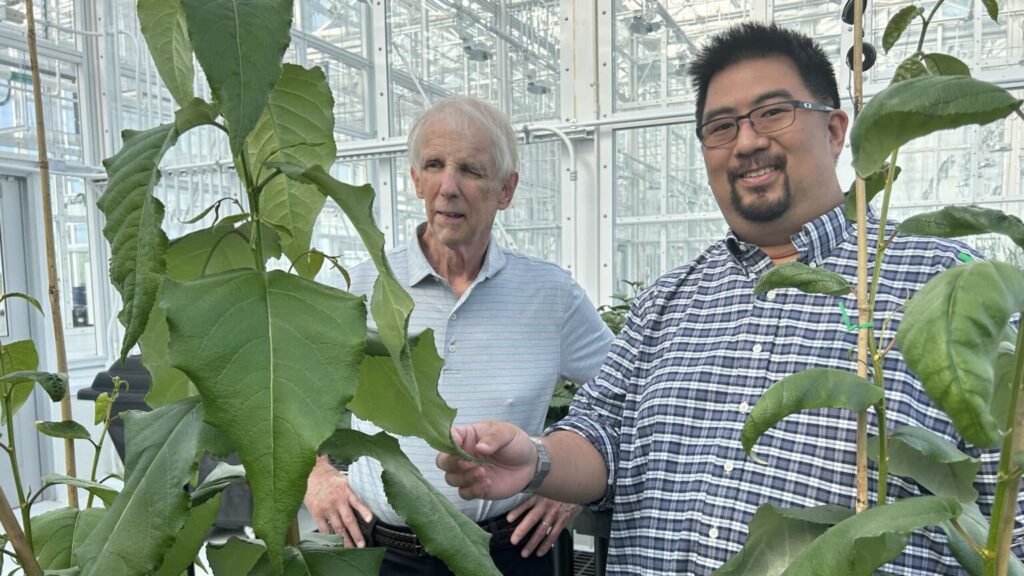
(522, 326)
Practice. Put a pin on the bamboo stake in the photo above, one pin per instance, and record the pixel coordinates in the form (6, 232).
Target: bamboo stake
(22, 547)
(51, 257)
(864, 310)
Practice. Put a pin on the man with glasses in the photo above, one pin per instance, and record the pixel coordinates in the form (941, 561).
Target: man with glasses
(657, 433)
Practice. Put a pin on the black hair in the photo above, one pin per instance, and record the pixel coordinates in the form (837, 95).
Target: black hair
(751, 40)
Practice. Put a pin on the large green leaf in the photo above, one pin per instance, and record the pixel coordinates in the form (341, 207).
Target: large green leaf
(931, 461)
(55, 385)
(57, 534)
(898, 24)
(236, 557)
(860, 544)
(950, 338)
(382, 399)
(314, 559)
(919, 106)
(814, 388)
(144, 521)
(101, 491)
(445, 532)
(17, 357)
(68, 429)
(804, 278)
(390, 305)
(166, 33)
(134, 216)
(974, 523)
(778, 535)
(191, 538)
(873, 184)
(941, 64)
(287, 346)
(240, 46)
(297, 126)
(957, 221)
(208, 251)
(992, 7)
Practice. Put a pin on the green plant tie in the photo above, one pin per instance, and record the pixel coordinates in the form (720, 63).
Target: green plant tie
(849, 323)
(965, 257)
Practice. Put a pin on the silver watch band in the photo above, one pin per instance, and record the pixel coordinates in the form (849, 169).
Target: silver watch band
(543, 466)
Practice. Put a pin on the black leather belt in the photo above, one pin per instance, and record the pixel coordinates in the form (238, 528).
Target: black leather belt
(402, 539)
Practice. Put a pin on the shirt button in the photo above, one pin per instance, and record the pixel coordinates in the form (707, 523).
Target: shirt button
(451, 347)
(727, 467)
(770, 295)
(757, 348)
(453, 316)
(813, 264)
(744, 407)
(713, 533)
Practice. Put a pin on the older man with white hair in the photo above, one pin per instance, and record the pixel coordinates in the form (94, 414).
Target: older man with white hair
(509, 328)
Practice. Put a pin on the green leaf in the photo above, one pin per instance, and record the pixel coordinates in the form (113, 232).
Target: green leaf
(101, 491)
(144, 520)
(390, 305)
(291, 348)
(163, 27)
(236, 557)
(297, 126)
(445, 532)
(778, 535)
(950, 336)
(314, 559)
(99, 412)
(25, 297)
(382, 399)
(133, 222)
(240, 46)
(975, 524)
(909, 68)
(957, 221)
(57, 535)
(804, 278)
(992, 7)
(931, 461)
(940, 64)
(863, 542)
(69, 429)
(814, 388)
(191, 538)
(873, 184)
(16, 357)
(898, 24)
(217, 481)
(55, 385)
(920, 106)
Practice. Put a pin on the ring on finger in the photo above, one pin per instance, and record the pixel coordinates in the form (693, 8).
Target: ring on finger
(547, 527)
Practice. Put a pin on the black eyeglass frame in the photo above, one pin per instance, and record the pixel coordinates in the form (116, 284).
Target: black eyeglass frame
(797, 105)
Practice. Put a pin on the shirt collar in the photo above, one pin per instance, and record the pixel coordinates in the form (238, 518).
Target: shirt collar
(420, 268)
(815, 240)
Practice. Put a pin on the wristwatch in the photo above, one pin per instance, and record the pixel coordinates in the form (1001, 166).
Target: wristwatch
(543, 467)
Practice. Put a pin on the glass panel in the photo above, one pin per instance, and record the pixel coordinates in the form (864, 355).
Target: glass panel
(654, 39)
(17, 109)
(4, 329)
(349, 85)
(408, 208)
(79, 294)
(532, 224)
(534, 53)
(338, 22)
(952, 32)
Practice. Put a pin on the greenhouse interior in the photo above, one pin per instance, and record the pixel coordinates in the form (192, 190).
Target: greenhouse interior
(139, 150)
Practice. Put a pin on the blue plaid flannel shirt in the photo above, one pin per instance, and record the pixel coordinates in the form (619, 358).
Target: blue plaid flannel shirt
(698, 350)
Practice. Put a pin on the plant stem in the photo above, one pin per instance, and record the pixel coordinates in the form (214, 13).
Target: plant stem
(1000, 530)
(293, 533)
(22, 544)
(967, 537)
(12, 453)
(51, 251)
(96, 456)
(924, 26)
(253, 191)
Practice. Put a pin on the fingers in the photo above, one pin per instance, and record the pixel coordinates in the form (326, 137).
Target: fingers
(526, 506)
(547, 519)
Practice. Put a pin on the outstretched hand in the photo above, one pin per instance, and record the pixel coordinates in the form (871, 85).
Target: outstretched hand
(543, 520)
(509, 451)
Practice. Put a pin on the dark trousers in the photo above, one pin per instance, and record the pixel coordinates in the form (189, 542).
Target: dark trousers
(508, 561)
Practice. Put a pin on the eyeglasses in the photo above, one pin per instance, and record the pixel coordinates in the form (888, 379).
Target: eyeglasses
(763, 119)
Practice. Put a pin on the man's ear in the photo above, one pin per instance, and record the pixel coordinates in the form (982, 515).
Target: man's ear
(838, 122)
(508, 190)
(415, 182)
